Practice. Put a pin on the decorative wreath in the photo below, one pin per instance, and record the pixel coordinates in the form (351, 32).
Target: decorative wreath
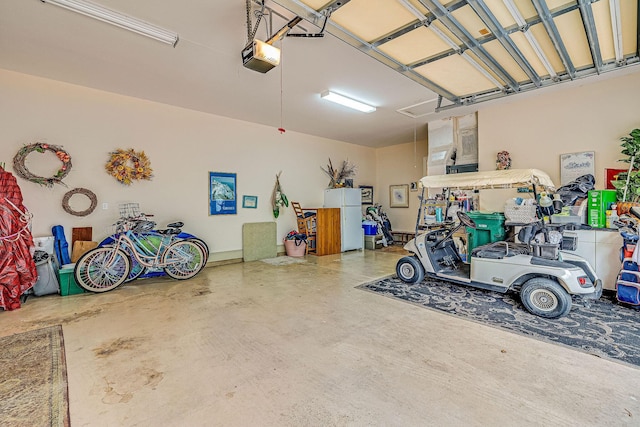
(90, 194)
(129, 165)
(22, 171)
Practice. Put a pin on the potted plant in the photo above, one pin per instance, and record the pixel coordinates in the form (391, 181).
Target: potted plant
(628, 183)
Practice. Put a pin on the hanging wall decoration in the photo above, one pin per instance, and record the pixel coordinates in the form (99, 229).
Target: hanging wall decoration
(90, 194)
(22, 171)
(128, 165)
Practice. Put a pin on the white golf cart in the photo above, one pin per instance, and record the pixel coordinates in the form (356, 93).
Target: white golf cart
(546, 281)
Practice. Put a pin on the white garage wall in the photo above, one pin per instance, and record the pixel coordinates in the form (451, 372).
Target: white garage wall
(535, 130)
(400, 164)
(182, 145)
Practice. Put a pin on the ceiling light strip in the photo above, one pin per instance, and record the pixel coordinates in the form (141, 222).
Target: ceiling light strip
(347, 102)
(118, 19)
(616, 24)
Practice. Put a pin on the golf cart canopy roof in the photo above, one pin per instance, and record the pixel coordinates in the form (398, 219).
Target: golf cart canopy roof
(511, 178)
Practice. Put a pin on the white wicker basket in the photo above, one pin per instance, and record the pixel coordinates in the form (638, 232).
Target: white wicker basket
(522, 214)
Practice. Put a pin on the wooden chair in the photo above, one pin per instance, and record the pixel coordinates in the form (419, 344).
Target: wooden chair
(306, 219)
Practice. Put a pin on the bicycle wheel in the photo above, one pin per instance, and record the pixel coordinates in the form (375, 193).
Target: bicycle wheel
(183, 259)
(203, 246)
(102, 269)
(137, 269)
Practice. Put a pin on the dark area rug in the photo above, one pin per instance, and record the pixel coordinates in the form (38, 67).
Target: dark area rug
(33, 379)
(605, 329)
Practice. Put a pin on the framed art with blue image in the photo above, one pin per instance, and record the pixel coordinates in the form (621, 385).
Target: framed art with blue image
(222, 193)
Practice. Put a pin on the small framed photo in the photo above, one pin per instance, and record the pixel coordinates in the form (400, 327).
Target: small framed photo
(367, 194)
(413, 186)
(222, 193)
(399, 196)
(250, 202)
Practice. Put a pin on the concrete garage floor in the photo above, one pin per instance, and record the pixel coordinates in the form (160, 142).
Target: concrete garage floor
(257, 344)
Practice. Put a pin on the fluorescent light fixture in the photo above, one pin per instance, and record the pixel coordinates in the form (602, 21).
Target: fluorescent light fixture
(616, 24)
(414, 10)
(438, 32)
(540, 53)
(515, 13)
(482, 70)
(347, 102)
(118, 19)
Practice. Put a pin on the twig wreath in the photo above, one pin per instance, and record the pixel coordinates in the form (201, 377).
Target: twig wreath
(128, 165)
(22, 171)
(90, 194)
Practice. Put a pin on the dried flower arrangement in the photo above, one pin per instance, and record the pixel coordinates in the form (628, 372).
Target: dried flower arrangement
(339, 175)
(129, 165)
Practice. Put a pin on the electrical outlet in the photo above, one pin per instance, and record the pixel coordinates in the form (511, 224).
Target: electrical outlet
(105, 206)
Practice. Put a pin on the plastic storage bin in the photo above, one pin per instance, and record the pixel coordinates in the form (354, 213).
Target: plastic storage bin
(370, 228)
(68, 285)
(489, 229)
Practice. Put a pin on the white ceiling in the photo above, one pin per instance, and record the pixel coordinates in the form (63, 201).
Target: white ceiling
(204, 71)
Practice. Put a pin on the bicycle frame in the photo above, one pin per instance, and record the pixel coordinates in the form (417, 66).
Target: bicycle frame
(143, 249)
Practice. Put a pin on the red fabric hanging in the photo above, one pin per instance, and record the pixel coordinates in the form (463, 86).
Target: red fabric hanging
(17, 269)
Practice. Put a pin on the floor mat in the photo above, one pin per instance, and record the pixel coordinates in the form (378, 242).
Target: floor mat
(33, 379)
(605, 328)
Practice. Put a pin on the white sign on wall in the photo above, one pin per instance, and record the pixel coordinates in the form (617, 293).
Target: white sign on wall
(574, 165)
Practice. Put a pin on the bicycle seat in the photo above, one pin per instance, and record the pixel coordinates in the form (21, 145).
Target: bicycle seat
(169, 231)
(178, 224)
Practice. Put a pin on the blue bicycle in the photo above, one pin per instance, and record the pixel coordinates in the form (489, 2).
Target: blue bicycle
(136, 246)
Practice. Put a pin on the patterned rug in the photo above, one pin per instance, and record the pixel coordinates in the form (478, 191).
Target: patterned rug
(33, 379)
(605, 329)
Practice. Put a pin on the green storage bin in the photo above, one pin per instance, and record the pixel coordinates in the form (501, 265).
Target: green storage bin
(489, 229)
(68, 285)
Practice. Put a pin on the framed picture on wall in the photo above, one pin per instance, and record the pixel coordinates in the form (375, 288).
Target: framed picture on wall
(612, 175)
(574, 165)
(222, 193)
(399, 196)
(250, 202)
(367, 194)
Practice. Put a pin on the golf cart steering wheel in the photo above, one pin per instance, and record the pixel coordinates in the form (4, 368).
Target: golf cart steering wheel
(466, 219)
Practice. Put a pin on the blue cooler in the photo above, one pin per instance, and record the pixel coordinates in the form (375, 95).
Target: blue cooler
(370, 228)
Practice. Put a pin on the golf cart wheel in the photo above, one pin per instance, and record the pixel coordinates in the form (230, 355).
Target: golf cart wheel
(545, 298)
(410, 270)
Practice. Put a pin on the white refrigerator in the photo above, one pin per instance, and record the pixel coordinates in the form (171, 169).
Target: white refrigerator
(349, 200)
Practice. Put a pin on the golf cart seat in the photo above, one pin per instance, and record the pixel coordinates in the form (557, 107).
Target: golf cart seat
(499, 250)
